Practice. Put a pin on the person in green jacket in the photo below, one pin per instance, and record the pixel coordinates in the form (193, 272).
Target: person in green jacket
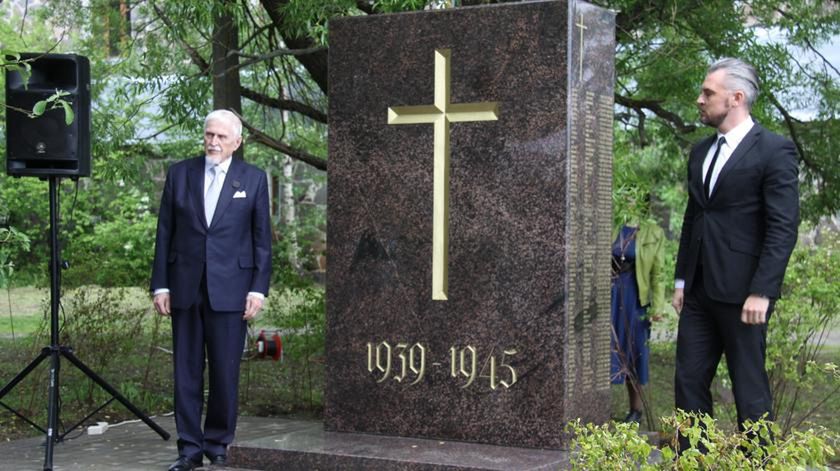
(637, 295)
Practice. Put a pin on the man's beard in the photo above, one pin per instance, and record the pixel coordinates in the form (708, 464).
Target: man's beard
(216, 159)
(714, 120)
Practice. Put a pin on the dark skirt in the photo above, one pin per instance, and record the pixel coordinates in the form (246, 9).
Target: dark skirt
(631, 331)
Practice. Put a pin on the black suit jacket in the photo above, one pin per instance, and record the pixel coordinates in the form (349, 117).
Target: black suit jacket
(234, 248)
(745, 232)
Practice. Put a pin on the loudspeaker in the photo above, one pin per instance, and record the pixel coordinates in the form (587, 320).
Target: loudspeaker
(46, 145)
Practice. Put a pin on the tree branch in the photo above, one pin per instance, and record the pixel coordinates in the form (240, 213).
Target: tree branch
(256, 34)
(808, 41)
(194, 55)
(281, 104)
(297, 154)
(655, 107)
(642, 134)
(157, 133)
(279, 52)
(794, 135)
(316, 62)
(144, 150)
(825, 61)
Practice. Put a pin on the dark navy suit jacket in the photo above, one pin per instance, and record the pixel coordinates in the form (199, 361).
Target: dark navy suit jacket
(235, 246)
(745, 232)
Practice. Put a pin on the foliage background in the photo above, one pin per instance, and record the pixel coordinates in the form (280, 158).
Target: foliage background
(152, 84)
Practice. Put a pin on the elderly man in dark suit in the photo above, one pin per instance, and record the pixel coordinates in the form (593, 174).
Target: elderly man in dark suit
(739, 229)
(211, 274)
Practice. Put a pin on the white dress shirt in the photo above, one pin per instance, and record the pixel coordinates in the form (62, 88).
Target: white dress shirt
(733, 138)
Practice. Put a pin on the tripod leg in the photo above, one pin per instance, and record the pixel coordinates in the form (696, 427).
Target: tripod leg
(114, 393)
(31, 366)
(52, 411)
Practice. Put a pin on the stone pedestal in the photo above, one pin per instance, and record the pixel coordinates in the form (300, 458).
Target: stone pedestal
(306, 446)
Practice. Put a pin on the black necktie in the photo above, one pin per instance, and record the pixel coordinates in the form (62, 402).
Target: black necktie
(708, 180)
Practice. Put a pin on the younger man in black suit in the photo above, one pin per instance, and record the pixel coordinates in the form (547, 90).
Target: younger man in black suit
(739, 229)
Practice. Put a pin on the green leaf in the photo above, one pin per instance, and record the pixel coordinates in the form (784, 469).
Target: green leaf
(68, 112)
(39, 108)
(5, 53)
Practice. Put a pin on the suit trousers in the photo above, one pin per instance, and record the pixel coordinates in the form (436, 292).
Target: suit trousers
(707, 329)
(200, 334)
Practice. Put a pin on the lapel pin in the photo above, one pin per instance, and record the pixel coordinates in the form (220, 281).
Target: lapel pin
(235, 184)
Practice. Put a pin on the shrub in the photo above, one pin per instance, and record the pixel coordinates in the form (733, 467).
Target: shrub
(808, 310)
(618, 446)
(298, 312)
(615, 445)
(12, 241)
(116, 252)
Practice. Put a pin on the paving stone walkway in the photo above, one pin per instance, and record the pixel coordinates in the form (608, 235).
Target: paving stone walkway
(131, 446)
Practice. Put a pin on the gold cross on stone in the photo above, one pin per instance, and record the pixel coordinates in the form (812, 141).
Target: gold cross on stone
(441, 113)
(582, 27)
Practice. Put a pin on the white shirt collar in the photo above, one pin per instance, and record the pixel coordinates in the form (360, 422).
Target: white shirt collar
(737, 134)
(224, 166)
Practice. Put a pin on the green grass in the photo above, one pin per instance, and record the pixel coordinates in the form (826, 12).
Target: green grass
(19, 325)
(659, 393)
(25, 301)
(22, 309)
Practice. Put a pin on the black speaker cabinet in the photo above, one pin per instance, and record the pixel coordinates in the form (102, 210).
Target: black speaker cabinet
(46, 145)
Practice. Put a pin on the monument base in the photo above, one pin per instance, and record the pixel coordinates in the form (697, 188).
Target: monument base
(293, 445)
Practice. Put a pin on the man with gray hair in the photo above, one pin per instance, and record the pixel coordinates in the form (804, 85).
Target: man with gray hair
(210, 275)
(738, 232)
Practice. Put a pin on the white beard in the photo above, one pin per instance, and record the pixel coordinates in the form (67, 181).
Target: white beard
(213, 160)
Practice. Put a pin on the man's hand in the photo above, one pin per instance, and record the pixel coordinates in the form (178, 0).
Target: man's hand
(253, 305)
(755, 310)
(679, 298)
(162, 304)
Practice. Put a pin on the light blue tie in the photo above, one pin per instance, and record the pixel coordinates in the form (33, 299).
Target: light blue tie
(212, 196)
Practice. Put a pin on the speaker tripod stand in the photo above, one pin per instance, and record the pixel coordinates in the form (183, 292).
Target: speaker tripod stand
(55, 352)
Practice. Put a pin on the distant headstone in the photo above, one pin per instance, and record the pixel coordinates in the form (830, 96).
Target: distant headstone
(469, 221)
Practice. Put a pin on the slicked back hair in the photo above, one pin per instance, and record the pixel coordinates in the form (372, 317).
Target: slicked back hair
(739, 76)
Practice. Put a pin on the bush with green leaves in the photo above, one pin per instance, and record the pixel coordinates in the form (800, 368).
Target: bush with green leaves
(11, 241)
(615, 445)
(116, 251)
(116, 334)
(106, 231)
(296, 308)
(25, 206)
(299, 314)
(797, 359)
(619, 446)
(103, 327)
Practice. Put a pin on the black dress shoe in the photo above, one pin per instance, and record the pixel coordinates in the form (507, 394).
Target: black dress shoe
(184, 464)
(633, 416)
(218, 460)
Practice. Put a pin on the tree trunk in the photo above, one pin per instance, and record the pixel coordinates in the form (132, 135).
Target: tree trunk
(226, 89)
(316, 62)
(290, 217)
